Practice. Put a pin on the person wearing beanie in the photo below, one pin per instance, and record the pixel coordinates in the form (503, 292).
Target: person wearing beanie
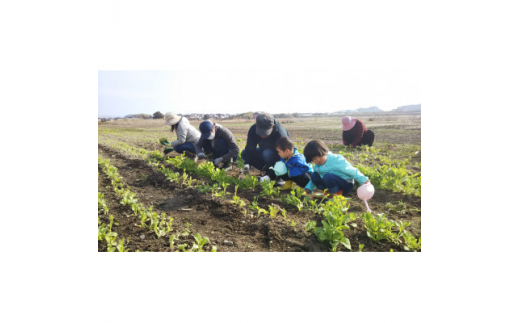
(260, 150)
(187, 135)
(355, 133)
(217, 143)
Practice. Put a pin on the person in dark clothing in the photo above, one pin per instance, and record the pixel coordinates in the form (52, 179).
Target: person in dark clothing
(260, 151)
(217, 142)
(355, 133)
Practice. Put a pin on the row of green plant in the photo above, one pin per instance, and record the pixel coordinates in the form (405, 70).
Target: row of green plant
(336, 219)
(380, 228)
(102, 204)
(149, 219)
(295, 197)
(333, 224)
(395, 179)
(400, 208)
(106, 234)
(219, 189)
(209, 171)
(386, 154)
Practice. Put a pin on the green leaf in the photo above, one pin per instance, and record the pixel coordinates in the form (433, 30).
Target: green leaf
(320, 233)
(346, 242)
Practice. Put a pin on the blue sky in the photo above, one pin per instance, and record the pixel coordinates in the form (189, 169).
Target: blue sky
(129, 92)
(234, 91)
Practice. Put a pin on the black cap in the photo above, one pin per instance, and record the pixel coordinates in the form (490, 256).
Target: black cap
(264, 124)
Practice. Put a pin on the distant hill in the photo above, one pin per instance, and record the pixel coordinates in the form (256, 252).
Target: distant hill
(107, 116)
(408, 108)
(360, 110)
(140, 115)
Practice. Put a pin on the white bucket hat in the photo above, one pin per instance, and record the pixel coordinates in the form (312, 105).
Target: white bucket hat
(171, 118)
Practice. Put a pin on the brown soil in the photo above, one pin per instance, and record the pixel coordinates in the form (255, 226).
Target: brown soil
(223, 223)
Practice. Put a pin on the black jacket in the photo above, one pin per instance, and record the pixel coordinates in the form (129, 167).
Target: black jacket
(254, 140)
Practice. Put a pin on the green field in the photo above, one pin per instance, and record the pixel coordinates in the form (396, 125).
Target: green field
(153, 196)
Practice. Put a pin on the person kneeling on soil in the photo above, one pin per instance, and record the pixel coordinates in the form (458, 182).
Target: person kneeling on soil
(264, 134)
(187, 135)
(332, 171)
(355, 133)
(298, 170)
(216, 142)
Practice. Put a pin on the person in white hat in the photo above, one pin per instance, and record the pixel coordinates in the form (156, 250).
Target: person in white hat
(187, 135)
(355, 133)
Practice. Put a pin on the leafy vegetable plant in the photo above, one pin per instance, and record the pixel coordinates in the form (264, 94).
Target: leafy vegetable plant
(268, 189)
(335, 222)
(411, 243)
(102, 205)
(378, 226)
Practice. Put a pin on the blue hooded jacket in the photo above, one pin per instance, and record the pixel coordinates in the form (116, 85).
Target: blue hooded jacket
(297, 165)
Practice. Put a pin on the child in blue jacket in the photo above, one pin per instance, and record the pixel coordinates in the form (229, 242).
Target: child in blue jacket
(298, 170)
(332, 171)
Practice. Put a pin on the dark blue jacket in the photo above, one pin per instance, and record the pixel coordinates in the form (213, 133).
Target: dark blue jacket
(296, 165)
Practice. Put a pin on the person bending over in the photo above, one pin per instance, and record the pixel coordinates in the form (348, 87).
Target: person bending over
(260, 150)
(332, 171)
(355, 133)
(217, 143)
(187, 135)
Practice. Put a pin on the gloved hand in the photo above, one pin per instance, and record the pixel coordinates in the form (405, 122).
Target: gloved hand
(168, 150)
(201, 155)
(217, 162)
(164, 141)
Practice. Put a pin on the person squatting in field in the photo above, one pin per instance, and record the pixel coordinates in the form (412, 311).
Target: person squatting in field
(331, 171)
(216, 142)
(264, 134)
(187, 135)
(355, 133)
(298, 170)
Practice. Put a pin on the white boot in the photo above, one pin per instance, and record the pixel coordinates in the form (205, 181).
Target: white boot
(263, 178)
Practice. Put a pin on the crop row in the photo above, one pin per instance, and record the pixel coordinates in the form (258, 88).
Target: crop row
(334, 212)
(105, 232)
(160, 224)
(383, 171)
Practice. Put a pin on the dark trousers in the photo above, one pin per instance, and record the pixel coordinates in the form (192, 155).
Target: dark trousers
(368, 138)
(300, 180)
(260, 159)
(332, 183)
(187, 146)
